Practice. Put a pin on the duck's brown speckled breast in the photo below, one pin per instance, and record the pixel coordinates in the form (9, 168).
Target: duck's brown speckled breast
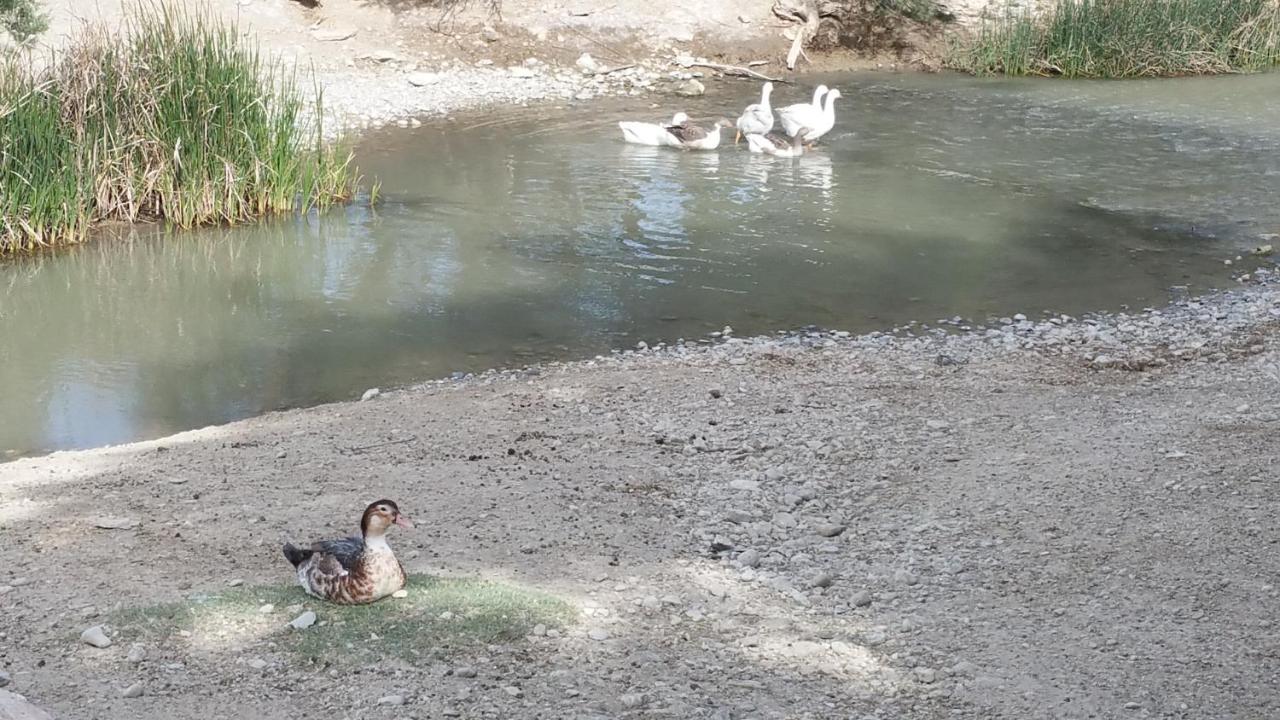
(385, 573)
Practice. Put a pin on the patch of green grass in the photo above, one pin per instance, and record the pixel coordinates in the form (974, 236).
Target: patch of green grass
(439, 615)
(22, 19)
(174, 118)
(1127, 38)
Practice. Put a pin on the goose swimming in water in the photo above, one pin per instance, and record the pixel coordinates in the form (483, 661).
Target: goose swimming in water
(757, 119)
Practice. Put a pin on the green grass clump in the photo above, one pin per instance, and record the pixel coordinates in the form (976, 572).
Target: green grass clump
(439, 615)
(1127, 38)
(174, 119)
(22, 19)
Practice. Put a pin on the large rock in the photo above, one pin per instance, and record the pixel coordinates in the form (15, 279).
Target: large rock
(15, 707)
(691, 88)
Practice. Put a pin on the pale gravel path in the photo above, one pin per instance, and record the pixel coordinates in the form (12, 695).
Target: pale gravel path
(1027, 536)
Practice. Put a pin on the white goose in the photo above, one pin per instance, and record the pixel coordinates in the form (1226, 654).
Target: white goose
(757, 119)
(776, 145)
(817, 124)
(794, 116)
(656, 134)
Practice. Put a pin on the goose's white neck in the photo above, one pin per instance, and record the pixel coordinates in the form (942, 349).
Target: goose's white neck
(829, 109)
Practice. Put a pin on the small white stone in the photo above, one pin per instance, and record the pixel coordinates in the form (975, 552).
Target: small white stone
(134, 691)
(96, 637)
(268, 608)
(400, 594)
(421, 79)
(258, 663)
(137, 653)
(598, 634)
(370, 394)
(303, 621)
(391, 700)
(513, 691)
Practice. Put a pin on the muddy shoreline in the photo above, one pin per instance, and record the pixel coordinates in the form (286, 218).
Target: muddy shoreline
(1039, 518)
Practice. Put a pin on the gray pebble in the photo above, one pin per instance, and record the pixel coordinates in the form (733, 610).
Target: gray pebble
(829, 529)
(133, 691)
(303, 621)
(821, 579)
(749, 558)
(391, 700)
(862, 598)
(137, 653)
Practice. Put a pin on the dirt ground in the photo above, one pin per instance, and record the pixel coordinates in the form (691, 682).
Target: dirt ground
(977, 526)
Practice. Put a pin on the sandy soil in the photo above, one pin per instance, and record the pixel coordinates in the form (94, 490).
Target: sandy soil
(1049, 518)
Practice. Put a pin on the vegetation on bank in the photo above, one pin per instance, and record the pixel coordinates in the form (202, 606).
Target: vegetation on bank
(174, 118)
(22, 19)
(1127, 38)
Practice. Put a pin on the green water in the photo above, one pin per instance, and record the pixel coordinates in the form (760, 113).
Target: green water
(519, 236)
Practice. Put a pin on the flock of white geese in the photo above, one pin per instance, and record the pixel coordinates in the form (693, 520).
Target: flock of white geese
(803, 124)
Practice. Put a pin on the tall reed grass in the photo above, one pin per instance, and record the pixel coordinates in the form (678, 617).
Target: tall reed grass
(175, 118)
(1127, 38)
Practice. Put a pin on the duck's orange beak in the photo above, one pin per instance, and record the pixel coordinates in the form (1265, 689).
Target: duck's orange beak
(403, 521)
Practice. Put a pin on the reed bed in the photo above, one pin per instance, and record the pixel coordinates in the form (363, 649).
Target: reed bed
(1127, 38)
(174, 118)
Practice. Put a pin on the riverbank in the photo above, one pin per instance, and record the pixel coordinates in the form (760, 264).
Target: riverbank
(383, 62)
(1049, 517)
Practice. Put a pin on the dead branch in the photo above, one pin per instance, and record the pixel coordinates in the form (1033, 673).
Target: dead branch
(736, 71)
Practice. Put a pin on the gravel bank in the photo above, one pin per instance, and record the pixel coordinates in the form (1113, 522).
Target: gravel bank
(1050, 518)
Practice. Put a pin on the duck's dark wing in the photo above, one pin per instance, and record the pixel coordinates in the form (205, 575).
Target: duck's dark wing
(780, 142)
(687, 133)
(346, 551)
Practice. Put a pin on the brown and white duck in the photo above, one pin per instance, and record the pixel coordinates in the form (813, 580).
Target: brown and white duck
(775, 144)
(353, 570)
(694, 137)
